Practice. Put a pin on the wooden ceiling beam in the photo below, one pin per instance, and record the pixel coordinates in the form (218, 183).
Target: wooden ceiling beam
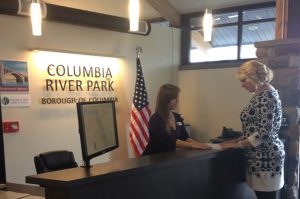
(74, 16)
(167, 11)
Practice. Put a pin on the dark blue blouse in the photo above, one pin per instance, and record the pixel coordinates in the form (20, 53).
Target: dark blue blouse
(161, 139)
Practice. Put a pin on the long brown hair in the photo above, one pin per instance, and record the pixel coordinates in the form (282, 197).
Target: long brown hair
(166, 93)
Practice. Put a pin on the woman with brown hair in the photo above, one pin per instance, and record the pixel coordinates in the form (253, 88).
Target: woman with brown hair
(166, 128)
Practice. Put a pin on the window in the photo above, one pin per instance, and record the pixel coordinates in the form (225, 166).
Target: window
(235, 30)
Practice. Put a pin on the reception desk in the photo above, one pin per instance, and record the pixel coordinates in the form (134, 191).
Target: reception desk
(191, 174)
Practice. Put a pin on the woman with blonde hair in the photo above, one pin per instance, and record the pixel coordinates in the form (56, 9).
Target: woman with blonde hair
(166, 128)
(261, 121)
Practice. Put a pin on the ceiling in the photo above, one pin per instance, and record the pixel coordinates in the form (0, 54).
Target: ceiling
(120, 7)
(171, 11)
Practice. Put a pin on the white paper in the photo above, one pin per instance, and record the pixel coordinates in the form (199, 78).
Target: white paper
(215, 146)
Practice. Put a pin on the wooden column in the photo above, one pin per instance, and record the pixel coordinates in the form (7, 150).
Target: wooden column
(281, 19)
(287, 19)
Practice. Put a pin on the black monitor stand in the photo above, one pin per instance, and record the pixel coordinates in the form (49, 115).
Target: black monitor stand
(87, 164)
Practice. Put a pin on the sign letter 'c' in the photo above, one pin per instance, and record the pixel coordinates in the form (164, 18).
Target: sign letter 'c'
(50, 68)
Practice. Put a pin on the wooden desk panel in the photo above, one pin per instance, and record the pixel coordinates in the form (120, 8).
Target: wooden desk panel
(191, 174)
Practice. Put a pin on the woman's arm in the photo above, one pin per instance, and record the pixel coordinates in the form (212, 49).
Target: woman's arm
(184, 141)
(234, 140)
(240, 144)
(190, 143)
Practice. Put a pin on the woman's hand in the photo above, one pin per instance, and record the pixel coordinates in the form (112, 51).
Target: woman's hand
(241, 144)
(233, 140)
(198, 145)
(189, 143)
(229, 145)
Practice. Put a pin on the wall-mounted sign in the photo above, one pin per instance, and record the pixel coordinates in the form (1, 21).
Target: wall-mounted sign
(71, 78)
(79, 78)
(17, 100)
(13, 76)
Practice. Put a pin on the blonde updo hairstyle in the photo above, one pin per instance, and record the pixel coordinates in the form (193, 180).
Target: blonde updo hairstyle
(255, 72)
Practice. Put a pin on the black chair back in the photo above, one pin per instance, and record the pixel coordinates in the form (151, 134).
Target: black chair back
(54, 160)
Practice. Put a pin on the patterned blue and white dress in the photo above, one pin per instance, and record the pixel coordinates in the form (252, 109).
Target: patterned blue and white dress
(261, 121)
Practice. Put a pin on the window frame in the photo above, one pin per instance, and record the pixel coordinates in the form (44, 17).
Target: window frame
(186, 37)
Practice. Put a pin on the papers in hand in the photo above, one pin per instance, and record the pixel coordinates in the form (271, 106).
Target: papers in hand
(215, 146)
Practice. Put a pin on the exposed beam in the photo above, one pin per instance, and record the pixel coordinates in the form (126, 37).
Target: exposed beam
(167, 11)
(198, 41)
(74, 16)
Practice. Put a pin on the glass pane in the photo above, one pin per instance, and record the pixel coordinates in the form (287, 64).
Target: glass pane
(255, 32)
(224, 18)
(222, 47)
(257, 14)
(248, 51)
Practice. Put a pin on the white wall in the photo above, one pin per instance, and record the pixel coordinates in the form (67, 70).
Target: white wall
(211, 99)
(51, 127)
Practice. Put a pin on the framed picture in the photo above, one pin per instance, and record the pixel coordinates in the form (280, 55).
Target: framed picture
(13, 76)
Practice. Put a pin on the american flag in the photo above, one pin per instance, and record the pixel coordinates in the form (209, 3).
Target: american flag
(140, 113)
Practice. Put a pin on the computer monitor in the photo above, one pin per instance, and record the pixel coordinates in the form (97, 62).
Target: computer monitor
(97, 129)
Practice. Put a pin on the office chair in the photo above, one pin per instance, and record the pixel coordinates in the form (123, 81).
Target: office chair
(54, 160)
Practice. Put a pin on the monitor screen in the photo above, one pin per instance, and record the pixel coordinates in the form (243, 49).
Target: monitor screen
(97, 128)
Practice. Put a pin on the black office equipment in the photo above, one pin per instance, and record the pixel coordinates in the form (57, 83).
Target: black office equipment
(227, 134)
(54, 161)
(97, 128)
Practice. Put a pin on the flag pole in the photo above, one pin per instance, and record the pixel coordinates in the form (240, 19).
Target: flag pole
(138, 50)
